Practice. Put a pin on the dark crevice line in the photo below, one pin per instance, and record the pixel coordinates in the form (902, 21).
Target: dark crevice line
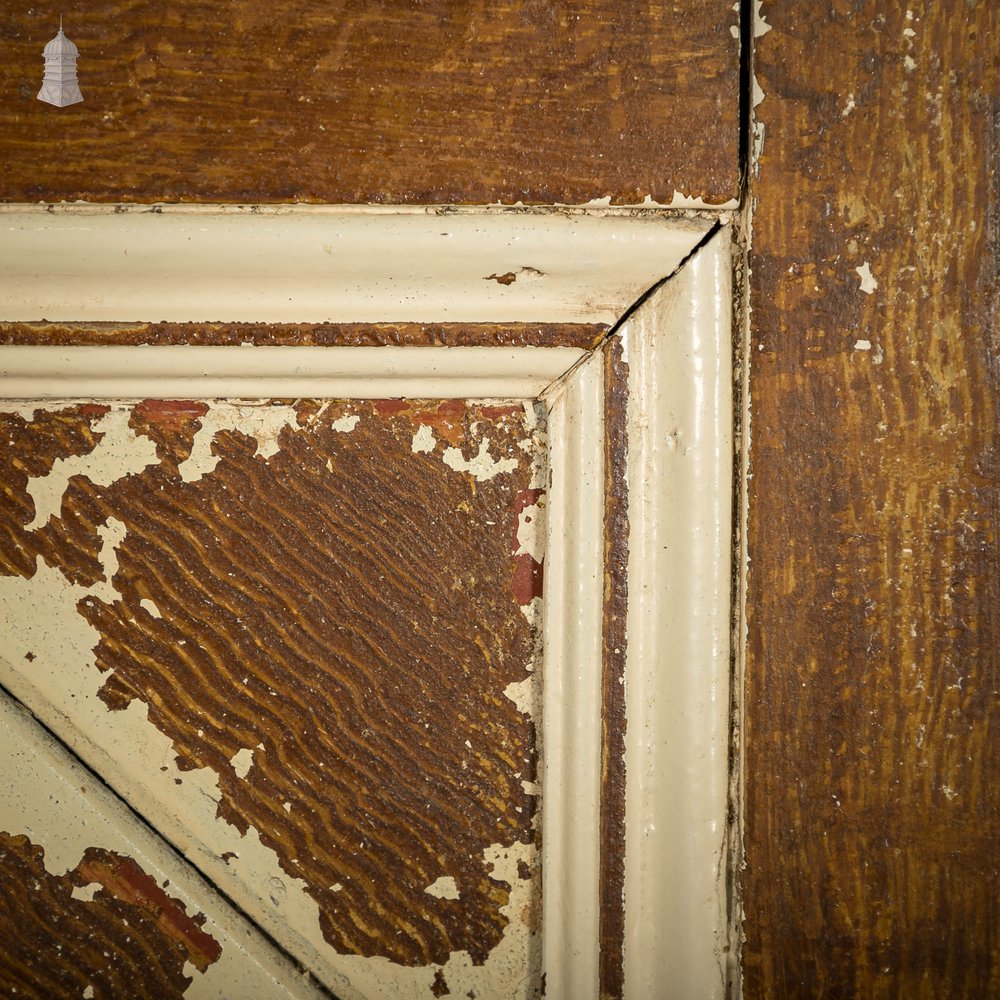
(201, 879)
(746, 98)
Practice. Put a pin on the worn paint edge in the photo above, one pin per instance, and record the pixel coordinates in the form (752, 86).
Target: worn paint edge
(678, 348)
(195, 372)
(571, 699)
(308, 266)
(51, 787)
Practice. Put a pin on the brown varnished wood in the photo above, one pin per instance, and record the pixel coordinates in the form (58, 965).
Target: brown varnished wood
(616, 538)
(872, 815)
(130, 940)
(583, 335)
(388, 101)
(29, 446)
(349, 608)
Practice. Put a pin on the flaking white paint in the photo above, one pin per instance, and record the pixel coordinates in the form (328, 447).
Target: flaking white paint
(60, 684)
(118, 453)
(242, 761)
(512, 970)
(86, 893)
(482, 466)
(263, 423)
(443, 888)
(531, 531)
(868, 282)
(423, 440)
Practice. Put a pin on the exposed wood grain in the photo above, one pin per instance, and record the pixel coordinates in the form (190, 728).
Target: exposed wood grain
(388, 101)
(130, 939)
(584, 335)
(346, 613)
(872, 815)
(616, 533)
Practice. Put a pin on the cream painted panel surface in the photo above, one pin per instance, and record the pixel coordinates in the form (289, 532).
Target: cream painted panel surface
(60, 807)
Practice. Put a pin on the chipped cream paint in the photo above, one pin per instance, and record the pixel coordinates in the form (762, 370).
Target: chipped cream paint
(482, 466)
(263, 423)
(511, 972)
(116, 455)
(86, 893)
(423, 440)
(868, 282)
(150, 608)
(242, 761)
(531, 531)
(59, 806)
(443, 888)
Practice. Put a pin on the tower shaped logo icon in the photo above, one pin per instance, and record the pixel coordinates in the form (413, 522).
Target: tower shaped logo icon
(59, 86)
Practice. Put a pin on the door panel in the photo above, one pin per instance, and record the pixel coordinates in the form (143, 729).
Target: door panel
(300, 638)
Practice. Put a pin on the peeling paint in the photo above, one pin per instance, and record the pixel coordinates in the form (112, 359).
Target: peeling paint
(242, 761)
(482, 466)
(760, 25)
(263, 423)
(443, 888)
(868, 282)
(118, 453)
(86, 893)
(423, 439)
(531, 531)
(42, 617)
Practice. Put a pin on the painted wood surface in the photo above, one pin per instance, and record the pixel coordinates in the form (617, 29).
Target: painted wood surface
(94, 905)
(316, 622)
(872, 817)
(376, 102)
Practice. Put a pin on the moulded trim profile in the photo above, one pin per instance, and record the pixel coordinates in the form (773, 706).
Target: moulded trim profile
(677, 347)
(262, 372)
(208, 263)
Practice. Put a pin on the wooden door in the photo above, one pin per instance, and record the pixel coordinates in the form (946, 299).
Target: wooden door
(856, 146)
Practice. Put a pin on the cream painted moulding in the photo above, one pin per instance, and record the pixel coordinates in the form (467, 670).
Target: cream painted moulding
(287, 264)
(677, 344)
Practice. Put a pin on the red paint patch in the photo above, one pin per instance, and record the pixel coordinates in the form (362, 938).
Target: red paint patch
(172, 413)
(92, 409)
(126, 881)
(526, 583)
(390, 407)
(499, 412)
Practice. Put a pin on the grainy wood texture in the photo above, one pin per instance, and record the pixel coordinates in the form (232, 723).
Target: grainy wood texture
(375, 102)
(583, 335)
(872, 817)
(330, 624)
(122, 936)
